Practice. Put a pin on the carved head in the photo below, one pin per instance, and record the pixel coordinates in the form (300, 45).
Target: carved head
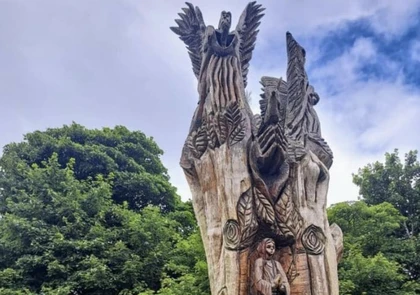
(225, 21)
(266, 248)
(294, 50)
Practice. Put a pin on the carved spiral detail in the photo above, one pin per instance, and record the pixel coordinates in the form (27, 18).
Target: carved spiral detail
(313, 239)
(232, 234)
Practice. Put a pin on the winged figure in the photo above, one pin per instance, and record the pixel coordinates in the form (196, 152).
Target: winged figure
(220, 57)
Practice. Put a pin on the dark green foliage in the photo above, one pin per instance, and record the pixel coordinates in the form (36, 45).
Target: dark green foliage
(396, 183)
(131, 158)
(381, 232)
(369, 265)
(60, 233)
(68, 228)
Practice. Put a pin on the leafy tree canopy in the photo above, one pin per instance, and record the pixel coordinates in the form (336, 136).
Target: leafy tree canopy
(375, 258)
(92, 212)
(131, 158)
(396, 182)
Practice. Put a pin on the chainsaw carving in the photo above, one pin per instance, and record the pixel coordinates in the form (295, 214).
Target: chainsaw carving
(257, 179)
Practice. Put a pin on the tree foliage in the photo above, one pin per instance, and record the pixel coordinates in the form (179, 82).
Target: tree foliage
(66, 229)
(369, 264)
(397, 182)
(133, 160)
(381, 232)
(394, 182)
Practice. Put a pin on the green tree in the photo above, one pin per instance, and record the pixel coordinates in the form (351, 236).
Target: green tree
(398, 183)
(66, 230)
(62, 235)
(371, 262)
(139, 178)
(186, 272)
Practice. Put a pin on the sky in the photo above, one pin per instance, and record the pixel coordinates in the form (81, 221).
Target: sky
(102, 63)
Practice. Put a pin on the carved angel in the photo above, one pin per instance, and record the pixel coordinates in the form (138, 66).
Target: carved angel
(220, 57)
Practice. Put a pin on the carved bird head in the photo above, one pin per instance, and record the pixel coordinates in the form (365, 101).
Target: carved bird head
(294, 50)
(225, 21)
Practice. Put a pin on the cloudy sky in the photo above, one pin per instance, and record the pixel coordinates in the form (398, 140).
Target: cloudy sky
(115, 62)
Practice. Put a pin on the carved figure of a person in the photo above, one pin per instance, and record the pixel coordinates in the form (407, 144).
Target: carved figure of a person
(269, 276)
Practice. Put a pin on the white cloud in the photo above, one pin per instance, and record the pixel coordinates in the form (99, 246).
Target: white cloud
(366, 117)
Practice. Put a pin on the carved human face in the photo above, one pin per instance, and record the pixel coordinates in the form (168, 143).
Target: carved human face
(270, 248)
(225, 20)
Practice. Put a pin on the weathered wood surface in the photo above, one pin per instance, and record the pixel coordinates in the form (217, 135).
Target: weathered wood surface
(260, 177)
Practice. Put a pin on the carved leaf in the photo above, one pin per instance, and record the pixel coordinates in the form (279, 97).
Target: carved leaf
(245, 209)
(248, 234)
(197, 141)
(237, 134)
(223, 129)
(247, 219)
(265, 210)
(235, 123)
(211, 132)
(287, 216)
(233, 115)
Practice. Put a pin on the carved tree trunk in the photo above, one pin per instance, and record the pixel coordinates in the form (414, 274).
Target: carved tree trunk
(257, 181)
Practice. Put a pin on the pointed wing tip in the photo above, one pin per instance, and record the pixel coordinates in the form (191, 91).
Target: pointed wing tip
(190, 6)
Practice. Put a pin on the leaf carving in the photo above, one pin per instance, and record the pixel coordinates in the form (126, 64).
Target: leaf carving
(237, 134)
(197, 141)
(265, 210)
(248, 234)
(211, 132)
(245, 209)
(233, 114)
(235, 123)
(247, 219)
(288, 218)
(223, 129)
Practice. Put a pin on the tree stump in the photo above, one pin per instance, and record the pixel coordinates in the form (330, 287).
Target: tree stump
(259, 182)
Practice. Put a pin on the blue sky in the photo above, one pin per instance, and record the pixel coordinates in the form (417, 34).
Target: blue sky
(105, 63)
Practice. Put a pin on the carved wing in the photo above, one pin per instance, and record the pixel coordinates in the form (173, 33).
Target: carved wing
(191, 29)
(247, 30)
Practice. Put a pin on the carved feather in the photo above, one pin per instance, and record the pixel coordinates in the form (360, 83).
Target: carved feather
(247, 30)
(191, 29)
